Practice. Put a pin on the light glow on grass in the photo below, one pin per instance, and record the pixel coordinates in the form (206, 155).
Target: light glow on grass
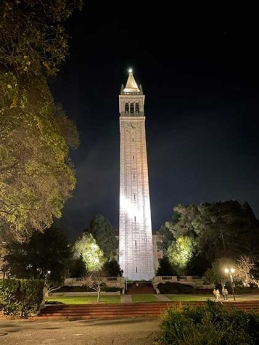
(83, 299)
(144, 298)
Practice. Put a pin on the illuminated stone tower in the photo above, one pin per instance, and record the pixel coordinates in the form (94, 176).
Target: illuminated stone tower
(135, 230)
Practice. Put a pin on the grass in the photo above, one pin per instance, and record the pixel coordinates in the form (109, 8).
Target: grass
(200, 297)
(143, 298)
(189, 298)
(83, 300)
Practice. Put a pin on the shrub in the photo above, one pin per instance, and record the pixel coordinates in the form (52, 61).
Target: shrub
(112, 289)
(175, 288)
(209, 325)
(21, 296)
(239, 290)
(74, 289)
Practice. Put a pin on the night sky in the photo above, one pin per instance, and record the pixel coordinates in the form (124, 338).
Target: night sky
(199, 71)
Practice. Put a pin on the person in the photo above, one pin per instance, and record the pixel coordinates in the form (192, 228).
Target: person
(225, 293)
(216, 294)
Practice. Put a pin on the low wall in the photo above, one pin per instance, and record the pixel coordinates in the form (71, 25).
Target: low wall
(82, 294)
(195, 281)
(117, 282)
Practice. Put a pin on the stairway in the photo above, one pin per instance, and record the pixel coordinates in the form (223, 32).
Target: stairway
(124, 310)
(137, 288)
(101, 310)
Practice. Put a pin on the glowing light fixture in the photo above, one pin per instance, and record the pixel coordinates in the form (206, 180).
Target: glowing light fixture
(231, 271)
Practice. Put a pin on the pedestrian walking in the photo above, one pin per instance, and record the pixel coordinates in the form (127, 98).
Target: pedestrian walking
(216, 294)
(224, 293)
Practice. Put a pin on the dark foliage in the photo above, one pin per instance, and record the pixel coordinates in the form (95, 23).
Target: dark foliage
(47, 251)
(112, 269)
(77, 268)
(103, 232)
(165, 268)
(175, 288)
(210, 324)
(21, 296)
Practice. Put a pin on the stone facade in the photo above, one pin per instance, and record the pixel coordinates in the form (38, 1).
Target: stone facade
(135, 229)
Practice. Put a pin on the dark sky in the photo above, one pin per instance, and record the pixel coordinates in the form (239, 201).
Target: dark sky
(199, 71)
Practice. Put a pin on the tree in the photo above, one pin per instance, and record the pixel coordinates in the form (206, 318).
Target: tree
(220, 229)
(216, 273)
(179, 254)
(165, 237)
(36, 175)
(165, 268)
(103, 232)
(45, 256)
(226, 228)
(197, 264)
(247, 270)
(87, 248)
(78, 268)
(94, 281)
(32, 37)
(112, 269)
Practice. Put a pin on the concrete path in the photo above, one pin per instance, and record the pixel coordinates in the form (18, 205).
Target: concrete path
(127, 331)
(162, 298)
(126, 299)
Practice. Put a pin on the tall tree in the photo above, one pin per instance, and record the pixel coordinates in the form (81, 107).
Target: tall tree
(220, 229)
(36, 175)
(87, 248)
(216, 273)
(180, 253)
(104, 234)
(112, 269)
(32, 37)
(247, 270)
(77, 267)
(165, 268)
(45, 254)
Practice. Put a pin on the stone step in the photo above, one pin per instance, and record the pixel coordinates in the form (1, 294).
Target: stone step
(123, 310)
(138, 288)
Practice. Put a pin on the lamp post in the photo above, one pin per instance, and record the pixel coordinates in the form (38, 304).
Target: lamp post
(230, 271)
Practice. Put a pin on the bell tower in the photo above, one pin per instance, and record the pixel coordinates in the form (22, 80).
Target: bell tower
(135, 230)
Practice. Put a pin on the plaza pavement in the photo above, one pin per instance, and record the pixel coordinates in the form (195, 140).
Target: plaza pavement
(128, 331)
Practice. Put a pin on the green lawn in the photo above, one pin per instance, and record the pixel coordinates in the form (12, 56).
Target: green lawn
(84, 300)
(143, 298)
(205, 297)
(189, 298)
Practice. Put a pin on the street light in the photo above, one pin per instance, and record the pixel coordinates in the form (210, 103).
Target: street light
(230, 271)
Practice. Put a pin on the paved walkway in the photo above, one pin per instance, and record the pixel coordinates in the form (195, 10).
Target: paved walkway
(162, 298)
(137, 331)
(126, 299)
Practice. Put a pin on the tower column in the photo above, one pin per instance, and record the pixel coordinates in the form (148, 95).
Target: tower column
(135, 228)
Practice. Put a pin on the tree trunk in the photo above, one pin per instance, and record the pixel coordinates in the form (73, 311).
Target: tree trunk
(98, 294)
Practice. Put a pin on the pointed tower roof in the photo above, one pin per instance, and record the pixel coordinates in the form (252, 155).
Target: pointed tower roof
(131, 85)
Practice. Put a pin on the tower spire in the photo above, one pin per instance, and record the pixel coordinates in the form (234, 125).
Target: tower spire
(131, 85)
